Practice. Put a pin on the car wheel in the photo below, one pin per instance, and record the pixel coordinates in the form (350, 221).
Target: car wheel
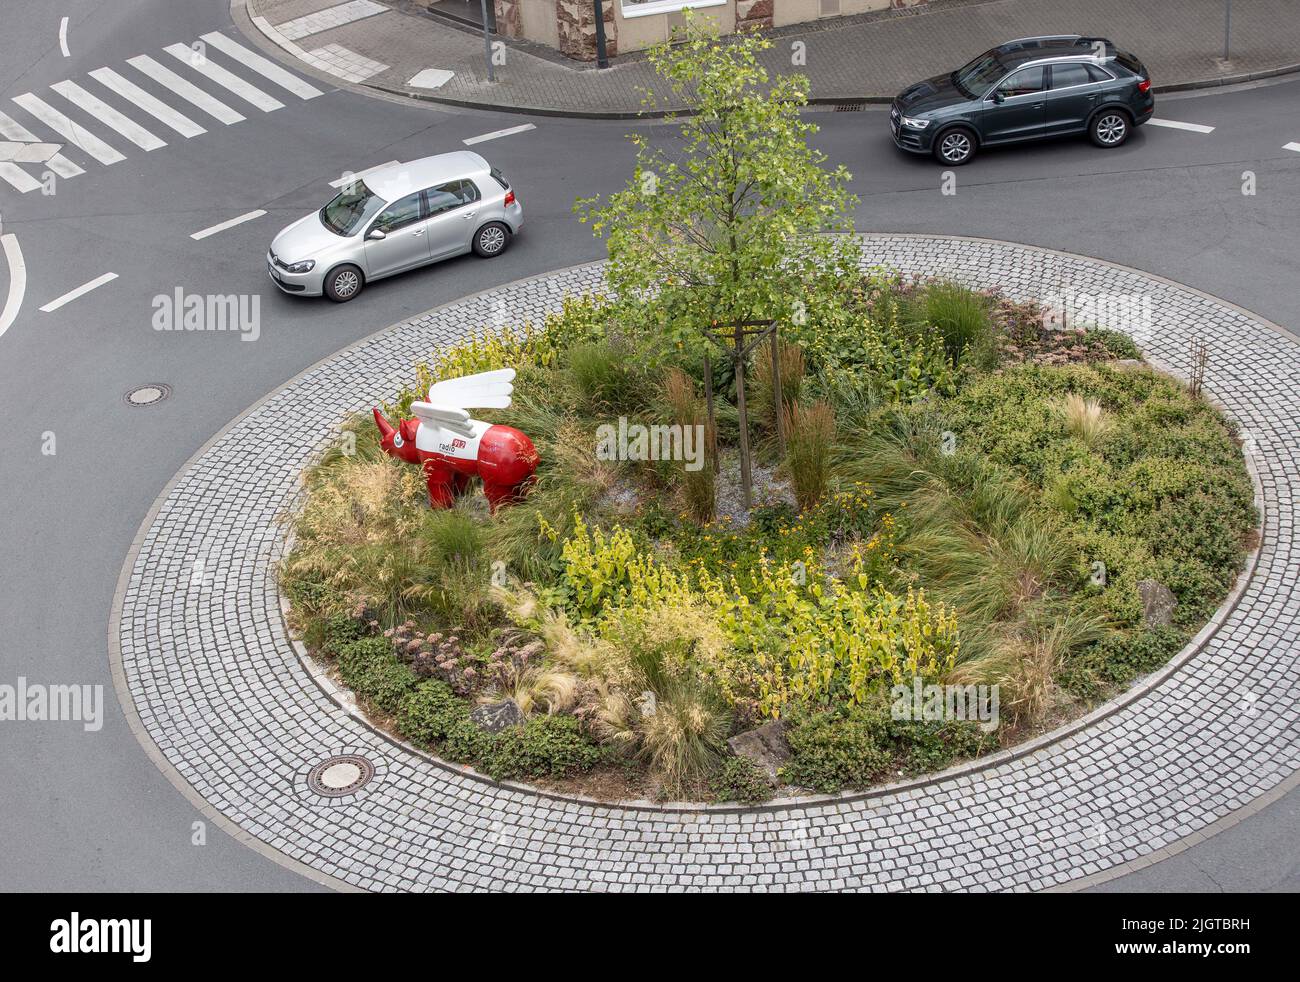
(954, 147)
(1110, 128)
(491, 239)
(343, 283)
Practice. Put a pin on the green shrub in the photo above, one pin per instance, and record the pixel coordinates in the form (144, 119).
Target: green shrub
(959, 314)
(545, 746)
(740, 779)
(1120, 659)
(831, 750)
(429, 713)
(371, 669)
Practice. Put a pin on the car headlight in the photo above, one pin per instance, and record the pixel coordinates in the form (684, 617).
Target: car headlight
(916, 124)
(303, 267)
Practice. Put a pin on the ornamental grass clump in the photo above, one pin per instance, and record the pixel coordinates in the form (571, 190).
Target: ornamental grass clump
(810, 432)
(698, 485)
(1086, 419)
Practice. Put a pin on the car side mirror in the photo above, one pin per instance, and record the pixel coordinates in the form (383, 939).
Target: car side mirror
(999, 98)
(376, 233)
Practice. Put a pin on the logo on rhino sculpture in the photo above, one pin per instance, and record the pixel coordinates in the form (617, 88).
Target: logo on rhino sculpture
(452, 448)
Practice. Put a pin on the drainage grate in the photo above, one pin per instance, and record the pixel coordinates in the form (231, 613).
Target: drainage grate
(148, 395)
(848, 107)
(339, 776)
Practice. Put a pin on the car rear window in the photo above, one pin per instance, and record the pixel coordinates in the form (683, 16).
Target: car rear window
(1131, 63)
(500, 179)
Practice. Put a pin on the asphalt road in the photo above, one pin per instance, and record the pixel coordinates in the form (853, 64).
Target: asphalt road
(89, 811)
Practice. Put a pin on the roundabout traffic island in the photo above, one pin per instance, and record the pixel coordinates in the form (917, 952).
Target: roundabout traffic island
(921, 524)
(1149, 769)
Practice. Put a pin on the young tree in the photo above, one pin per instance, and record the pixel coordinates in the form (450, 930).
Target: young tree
(719, 231)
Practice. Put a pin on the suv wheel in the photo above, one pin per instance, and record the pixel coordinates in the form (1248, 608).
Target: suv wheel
(954, 147)
(343, 283)
(491, 239)
(1110, 128)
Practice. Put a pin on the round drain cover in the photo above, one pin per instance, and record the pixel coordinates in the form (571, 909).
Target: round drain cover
(147, 395)
(338, 776)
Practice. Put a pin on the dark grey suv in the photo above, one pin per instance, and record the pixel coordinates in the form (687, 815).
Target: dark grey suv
(1026, 89)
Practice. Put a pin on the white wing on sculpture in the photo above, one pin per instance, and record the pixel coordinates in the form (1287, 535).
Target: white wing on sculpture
(441, 415)
(486, 390)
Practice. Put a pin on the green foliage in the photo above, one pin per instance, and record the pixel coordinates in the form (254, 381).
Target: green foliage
(1119, 660)
(369, 667)
(740, 779)
(544, 747)
(723, 227)
(853, 748)
(1162, 494)
(431, 712)
(960, 316)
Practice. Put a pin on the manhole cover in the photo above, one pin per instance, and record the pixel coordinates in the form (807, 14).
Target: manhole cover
(147, 395)
(338, 776)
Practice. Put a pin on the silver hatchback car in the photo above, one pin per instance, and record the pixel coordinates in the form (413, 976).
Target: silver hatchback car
(394, 219)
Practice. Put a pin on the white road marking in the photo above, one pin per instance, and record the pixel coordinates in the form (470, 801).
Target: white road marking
(1173, 124)
(186, 90)
(431, 78)
(58, 163)
(247, 92)
(263, 66)
(17, 281)
(360, 175)
(330, 17)
(80, 291)
(75, 134)
(213, 230)
(497, 134)
(159, 110)
(22, 181)
(63, 38)
(107, 115)
(1292, 146)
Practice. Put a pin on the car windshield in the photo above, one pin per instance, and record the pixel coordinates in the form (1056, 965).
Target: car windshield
(975, 77)
(355, 205)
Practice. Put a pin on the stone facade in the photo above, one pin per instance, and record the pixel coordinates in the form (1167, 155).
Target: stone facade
(577, 23)
(507, 18)
(753, 13)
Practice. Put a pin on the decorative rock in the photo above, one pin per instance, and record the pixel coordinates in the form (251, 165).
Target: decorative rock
(1158, 603)
(493, 717)
(765, 745)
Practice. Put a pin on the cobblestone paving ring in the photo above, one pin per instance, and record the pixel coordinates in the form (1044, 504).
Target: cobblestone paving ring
(1207, 740)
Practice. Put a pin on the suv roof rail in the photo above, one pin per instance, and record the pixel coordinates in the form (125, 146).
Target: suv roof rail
(1043, 37)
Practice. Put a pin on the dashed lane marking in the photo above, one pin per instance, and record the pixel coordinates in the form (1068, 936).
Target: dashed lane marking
(1174, 124)
(361, 175)
(80, 291)
(213, 230)
(497, 134)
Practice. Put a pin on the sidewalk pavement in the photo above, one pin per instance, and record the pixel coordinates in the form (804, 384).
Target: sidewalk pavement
(848, 60)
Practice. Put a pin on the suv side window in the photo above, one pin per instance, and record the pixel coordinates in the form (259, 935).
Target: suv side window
(1099, 74)
(1064, 76)
(401, 213)
(451, 195)
(1024, 82)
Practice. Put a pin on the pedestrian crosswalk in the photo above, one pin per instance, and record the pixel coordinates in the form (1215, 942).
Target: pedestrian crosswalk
(114, 111)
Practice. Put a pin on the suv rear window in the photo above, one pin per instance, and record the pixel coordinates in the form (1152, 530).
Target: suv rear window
(1131, 63)
(500, 179)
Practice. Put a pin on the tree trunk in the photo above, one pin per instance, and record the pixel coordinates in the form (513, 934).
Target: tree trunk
(712, 435)
(739, 357)
(777, 395)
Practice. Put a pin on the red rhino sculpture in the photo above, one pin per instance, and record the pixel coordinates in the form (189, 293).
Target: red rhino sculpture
(451, 448)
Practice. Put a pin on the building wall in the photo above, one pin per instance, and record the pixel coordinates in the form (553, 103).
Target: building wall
(569, 25)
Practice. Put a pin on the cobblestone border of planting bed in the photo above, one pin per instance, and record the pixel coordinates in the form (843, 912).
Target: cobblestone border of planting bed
(209, 680)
